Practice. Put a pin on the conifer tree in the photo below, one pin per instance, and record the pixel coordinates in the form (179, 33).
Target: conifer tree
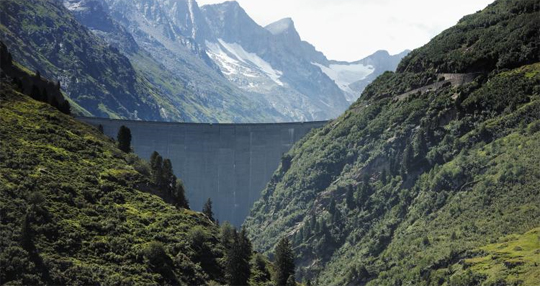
(207, 209)
(349, 198)
(35, 93)
(65, 107)
(407, 160)
(238, 268)
(156, 164)
(227, 234)
(332, 207)
(180, 195)
(168, 179)
(384, 176)
(124, 139)
(284, 262)
(291, 281)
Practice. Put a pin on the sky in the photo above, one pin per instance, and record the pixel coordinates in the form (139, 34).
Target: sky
(350, 30)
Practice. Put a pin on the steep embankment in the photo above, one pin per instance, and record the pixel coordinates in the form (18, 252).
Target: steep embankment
(77, 211)
(418, 188)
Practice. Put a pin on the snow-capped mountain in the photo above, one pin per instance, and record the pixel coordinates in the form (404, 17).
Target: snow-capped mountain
(218, 49)
(353, 77)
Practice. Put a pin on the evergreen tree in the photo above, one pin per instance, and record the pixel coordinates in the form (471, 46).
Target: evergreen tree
(349, 198)
(384, 176)
(168, 179)
(238, 268)
(157, 170)
(421, 145)
(65, 107)
(313, 222)
(227, 234)
(407, 160)
(27, 234)
(35, 93)
(52, 99)
(261, 269)
(124, 139)
(332, 207)
(100, 129)
(284, 262)
(153, 159)
(207, 209)
(180, 195)
(291, 281)
(306, 232)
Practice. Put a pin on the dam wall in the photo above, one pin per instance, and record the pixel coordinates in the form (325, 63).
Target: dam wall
(229, 163)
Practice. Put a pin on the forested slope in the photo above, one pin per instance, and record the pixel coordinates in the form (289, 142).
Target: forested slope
(428, 187)
(75, 210)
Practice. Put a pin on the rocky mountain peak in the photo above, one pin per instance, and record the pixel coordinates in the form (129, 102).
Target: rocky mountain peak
(285, 25)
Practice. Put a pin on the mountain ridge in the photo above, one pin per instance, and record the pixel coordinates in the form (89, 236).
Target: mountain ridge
(422, 171)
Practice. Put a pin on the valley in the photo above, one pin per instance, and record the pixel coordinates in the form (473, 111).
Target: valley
(159, 142)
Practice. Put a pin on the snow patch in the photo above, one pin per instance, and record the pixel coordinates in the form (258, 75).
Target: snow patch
(345, 74)
(191, 15)
(75, 6)
(233, 65)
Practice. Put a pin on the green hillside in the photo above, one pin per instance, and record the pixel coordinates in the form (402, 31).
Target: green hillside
(76, 210)
(418, 182)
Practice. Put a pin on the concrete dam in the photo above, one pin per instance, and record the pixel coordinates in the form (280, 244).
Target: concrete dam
(229, 163)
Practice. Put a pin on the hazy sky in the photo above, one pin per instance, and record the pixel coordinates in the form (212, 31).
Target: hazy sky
(352, 29)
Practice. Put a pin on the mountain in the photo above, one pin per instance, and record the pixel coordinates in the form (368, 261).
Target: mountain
(178, 66)
(44, 36)
(114, 77)
(215, 61)
(432, 176)
(274, 61)
(197, 91)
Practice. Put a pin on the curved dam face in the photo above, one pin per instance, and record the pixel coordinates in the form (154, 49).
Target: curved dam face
(229, 163)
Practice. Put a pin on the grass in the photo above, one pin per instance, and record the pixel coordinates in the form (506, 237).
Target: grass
(514, 259)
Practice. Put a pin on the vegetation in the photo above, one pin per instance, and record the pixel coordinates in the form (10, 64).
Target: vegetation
(76, 210)
(207, 209)
(502, 36)
(284, 263)
(124, 139)
(34, 86)
(162, 174)
(418, 188)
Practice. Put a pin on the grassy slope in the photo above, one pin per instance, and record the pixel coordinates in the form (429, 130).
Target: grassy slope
(87, 214)
(472, 176)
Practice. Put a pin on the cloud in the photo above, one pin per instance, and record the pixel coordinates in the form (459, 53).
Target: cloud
(353, 29)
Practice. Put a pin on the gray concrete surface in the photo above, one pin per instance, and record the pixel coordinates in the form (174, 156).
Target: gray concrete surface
(229, 163)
